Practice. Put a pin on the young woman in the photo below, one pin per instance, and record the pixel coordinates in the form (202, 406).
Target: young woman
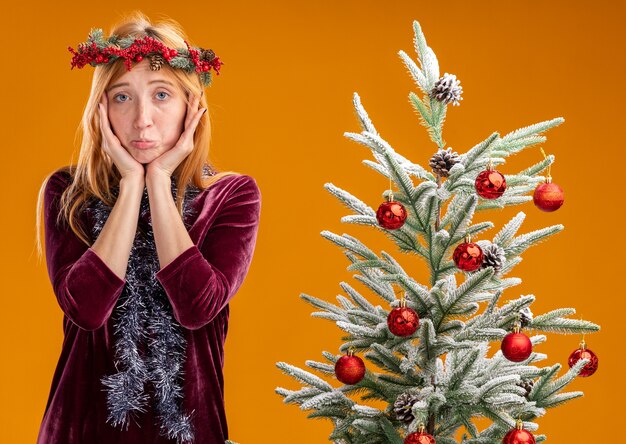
(145, 246)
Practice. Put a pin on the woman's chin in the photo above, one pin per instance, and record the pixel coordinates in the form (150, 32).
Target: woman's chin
(144, 156)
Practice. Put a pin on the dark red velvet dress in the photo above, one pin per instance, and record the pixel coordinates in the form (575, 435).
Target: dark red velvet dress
(199, 284)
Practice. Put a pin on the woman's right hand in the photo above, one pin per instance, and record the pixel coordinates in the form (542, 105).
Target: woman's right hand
(126, 164)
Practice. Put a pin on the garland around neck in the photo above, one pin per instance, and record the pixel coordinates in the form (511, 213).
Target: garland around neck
(150, 344)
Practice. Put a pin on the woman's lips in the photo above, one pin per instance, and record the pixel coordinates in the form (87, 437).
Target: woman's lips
(143, 144)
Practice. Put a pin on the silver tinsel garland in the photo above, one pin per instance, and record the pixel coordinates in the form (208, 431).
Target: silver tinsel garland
(149, 343)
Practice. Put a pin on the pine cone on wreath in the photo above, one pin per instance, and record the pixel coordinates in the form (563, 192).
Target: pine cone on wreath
(207, 54)
(493, 256)
(447, 89)
(156, 61)
(403, 405)
(443, 161)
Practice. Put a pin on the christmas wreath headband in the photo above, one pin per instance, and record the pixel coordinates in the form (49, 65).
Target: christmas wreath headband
(100, 51)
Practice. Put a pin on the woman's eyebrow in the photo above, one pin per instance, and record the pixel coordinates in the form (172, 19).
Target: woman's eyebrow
(118, 85)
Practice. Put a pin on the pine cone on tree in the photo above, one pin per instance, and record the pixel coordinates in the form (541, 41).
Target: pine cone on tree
(443, 161)
(447, 89)
(526, 384)
(156, 61)
(493, 256)
(526, 317)
(402, 408)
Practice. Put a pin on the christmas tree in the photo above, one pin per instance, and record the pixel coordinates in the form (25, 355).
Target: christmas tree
(428, 354)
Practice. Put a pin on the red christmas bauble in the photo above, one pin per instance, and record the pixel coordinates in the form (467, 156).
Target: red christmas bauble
(516, 436)
(516, 347)
(548, 197)
(468, 256)
(419, 438)
(584, 353)
(350, 369)
(403, 321)
(391, 215)
(490, 184)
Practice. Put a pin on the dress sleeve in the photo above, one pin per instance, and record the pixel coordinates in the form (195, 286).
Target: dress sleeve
(201, 281)
(85, 287)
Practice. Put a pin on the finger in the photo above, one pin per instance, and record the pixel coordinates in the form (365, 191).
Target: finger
(105, 126)
(186, 138)
(104, 119)
(196, 121)
(192, 107)
(101, 114)
(188, 112)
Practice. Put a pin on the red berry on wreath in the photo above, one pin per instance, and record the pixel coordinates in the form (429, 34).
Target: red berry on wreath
(548, 196)
(468, 256)
(519, 436)
(516, 346)
(584, 353)
(350, 369)
(490, 184)
(420, 437)
(403, 321)
(391, 214)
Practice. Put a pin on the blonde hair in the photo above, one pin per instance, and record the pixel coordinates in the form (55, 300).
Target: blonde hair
(95, 173)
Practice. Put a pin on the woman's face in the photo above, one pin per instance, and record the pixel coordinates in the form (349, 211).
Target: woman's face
(147, 111)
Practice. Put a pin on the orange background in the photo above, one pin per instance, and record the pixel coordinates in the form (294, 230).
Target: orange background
(279, 110)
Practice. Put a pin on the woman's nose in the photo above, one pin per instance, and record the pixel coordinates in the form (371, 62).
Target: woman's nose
(143, 115)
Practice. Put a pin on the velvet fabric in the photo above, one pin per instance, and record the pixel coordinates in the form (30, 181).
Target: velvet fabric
(199, 284)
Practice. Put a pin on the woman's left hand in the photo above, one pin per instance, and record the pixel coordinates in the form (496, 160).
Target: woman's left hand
(166, 163)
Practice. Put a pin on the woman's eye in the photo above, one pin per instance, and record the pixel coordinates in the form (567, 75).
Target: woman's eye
(162, 95)
(120, 97)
